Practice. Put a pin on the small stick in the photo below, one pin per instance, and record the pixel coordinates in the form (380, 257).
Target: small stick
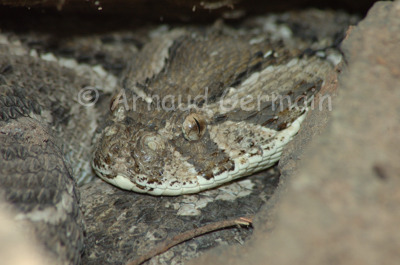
(169, 243)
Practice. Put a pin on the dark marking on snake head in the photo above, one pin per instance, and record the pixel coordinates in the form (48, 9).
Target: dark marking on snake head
(206, 175)
(220, 118)
(154, 180)
(239, 139)
(282, 126)
(140, 186)
(114, 149)
(172, 183)
(107, 160)
(129, 121)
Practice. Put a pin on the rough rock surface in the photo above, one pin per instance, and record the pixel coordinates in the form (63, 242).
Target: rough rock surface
(338, 202)
(16, 239)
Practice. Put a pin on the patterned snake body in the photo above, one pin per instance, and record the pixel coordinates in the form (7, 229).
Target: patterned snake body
(201, 108)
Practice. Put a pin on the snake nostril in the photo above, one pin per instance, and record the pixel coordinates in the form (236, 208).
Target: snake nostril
(152, 145)
(152, 142)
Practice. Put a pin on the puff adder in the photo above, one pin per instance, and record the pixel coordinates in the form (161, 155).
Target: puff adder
(200, 108)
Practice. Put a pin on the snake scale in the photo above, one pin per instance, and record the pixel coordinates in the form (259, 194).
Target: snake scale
(196, 107)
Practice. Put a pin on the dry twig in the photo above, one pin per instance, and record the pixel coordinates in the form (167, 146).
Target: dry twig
(169, 243)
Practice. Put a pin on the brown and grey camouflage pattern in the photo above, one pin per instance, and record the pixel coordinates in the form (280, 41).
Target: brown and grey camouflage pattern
(47, 133)
(179, 125)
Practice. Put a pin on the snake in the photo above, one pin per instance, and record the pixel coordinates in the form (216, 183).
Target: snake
(211, 107)
(195, 108)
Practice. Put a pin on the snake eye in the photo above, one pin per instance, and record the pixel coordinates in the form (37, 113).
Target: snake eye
(194, 127)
